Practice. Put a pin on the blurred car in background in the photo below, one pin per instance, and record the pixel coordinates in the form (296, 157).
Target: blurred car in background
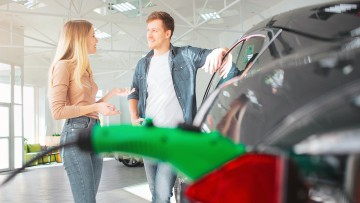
(294, 93)
(129, 160)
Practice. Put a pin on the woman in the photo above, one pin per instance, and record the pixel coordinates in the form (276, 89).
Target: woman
(72, 93)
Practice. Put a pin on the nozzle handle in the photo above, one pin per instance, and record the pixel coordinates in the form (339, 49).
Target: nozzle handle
(193, 153)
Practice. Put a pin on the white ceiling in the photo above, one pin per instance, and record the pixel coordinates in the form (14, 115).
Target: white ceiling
(118, 55)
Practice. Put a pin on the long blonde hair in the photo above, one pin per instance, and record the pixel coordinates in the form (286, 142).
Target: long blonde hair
(72, 48)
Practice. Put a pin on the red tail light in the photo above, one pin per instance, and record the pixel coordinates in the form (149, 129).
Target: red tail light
(251, 178)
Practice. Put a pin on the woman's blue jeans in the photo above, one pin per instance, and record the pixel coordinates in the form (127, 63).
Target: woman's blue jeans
(83, 168)
(161, 178)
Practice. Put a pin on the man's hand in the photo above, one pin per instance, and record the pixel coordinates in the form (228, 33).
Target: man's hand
(137, 121)
(214, 61)
(226, 66)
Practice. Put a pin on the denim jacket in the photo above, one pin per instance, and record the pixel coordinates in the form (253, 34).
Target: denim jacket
(184, 62)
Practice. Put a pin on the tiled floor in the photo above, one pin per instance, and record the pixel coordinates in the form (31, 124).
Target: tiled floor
(50, 184)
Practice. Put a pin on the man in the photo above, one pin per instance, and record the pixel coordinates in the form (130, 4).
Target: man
(164, 82)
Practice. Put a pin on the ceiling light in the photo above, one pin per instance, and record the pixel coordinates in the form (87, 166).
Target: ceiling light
(341, 8)
(149, 4)
(101, 35)
(129, 8)
(124, 7)
(209, 16)
(101, 11)
(30, 4)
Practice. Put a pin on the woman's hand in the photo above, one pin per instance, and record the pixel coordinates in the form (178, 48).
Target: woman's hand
(116, 91)
(107, 109)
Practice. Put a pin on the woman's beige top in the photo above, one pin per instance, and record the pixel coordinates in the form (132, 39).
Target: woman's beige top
(66, 98)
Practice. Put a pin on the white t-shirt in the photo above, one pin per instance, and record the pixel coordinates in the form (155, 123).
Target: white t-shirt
(162, 104)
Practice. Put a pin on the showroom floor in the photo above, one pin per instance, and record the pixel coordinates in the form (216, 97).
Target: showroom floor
(50, 184)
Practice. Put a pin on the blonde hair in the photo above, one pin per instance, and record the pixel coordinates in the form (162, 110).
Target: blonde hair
(72, 48)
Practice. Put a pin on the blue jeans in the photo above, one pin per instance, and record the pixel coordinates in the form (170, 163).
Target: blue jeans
(161, 178)
(83, 168)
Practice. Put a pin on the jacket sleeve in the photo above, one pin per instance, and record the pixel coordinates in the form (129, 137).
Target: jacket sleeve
(199, 55)
(135, 84)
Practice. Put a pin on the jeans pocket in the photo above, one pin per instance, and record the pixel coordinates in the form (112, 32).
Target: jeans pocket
(80, 123)
(76, 132)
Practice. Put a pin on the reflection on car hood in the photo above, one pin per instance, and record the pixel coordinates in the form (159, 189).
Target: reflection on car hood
(325, 21)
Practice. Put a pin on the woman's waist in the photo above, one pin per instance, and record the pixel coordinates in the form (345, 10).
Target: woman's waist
(87, 119)
(94, 114)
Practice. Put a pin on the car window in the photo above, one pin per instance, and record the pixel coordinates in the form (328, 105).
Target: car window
(226, 112)
(285, 43)
(243, 53)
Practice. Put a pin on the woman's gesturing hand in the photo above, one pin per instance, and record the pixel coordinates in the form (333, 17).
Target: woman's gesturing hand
(107, 109)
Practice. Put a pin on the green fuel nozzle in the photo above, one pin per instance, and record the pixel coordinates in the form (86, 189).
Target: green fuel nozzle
(192, 153)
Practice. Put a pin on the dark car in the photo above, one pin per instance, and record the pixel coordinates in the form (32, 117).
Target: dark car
(294, 92)
(289, 111)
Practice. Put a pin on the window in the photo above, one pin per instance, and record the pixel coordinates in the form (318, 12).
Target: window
(5, 83)
(17, 85)
(11, 110)
(243, 53)
(18, 132)
(29, 114)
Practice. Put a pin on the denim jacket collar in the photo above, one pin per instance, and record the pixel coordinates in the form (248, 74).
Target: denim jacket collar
(151, 53)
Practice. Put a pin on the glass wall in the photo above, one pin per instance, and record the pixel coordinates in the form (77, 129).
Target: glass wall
(18, 148)
(5, 83)
(29, 114)
(4, 137)
(11, 117)
(5, 100)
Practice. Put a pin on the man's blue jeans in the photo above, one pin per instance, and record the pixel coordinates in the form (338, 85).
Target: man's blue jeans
(83, 168)
(161, 178)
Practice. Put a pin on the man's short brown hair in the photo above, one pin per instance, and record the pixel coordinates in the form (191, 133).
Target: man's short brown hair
(166, 18)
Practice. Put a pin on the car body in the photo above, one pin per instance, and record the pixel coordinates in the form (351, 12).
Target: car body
(294, 92)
